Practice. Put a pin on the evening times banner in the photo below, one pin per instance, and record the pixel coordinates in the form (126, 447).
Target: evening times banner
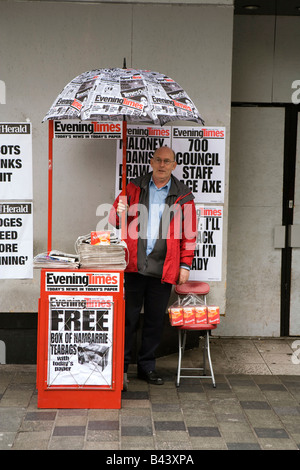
(15, 161)
(16, 245)
(80, 340)
(74, 129)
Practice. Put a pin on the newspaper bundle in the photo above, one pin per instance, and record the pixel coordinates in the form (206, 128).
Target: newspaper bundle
(56, 259)
(101, 256)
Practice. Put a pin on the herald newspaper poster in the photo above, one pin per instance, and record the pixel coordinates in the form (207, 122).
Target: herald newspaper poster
(15, 161)
(16, 240)
(80, 343)
(207, 262)
(199, 152)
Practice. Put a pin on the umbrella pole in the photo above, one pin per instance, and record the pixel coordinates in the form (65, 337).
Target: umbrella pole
(50, 167)
(123, 193)
(124, 148)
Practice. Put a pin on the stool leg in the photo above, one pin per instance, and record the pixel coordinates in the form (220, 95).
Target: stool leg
(209, 360)
(204, 355)
(179, 357)
(184, 341)
(125, 382)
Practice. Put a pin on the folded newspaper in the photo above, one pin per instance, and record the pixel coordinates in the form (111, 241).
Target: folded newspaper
(56, 259)
(102, 255)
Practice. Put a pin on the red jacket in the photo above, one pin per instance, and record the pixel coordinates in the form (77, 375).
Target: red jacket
(181, 227)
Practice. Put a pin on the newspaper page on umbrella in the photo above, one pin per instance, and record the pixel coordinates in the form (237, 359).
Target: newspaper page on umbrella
(111, 94)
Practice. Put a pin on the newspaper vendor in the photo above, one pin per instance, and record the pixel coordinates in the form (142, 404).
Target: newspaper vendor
(161, 236)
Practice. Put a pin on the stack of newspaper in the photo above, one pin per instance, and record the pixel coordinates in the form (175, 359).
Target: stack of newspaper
(56, 259)
(101, 256)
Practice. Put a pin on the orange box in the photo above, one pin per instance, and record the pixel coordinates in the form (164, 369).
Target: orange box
(100, 238)
(176, 316)
(200, 314)
(188, 315)
(213, 314)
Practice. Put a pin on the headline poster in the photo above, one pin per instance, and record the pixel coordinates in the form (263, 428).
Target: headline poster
(200, 156)
(16, 240)
(207, 262)
(199, 153)
(80, 340)
(142, 141)
(15, 160)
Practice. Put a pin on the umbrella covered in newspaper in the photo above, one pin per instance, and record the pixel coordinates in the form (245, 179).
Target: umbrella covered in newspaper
(120, 94)
(115, 94)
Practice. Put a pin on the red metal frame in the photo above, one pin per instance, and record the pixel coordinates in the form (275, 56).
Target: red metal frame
(124, 148)
(50, 178)
(85, 396)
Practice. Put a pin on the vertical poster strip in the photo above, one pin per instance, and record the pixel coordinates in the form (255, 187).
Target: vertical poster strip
(207, 263)
(16, 161)
(200, 156)
(16, 240)
(142, 141)
(80, 343)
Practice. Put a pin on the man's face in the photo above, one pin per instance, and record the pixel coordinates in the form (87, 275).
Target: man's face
(162, 164)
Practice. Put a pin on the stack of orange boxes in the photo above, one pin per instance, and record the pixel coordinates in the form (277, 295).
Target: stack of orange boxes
(194, 314)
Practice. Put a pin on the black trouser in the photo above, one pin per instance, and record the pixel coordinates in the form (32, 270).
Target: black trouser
(155, 295)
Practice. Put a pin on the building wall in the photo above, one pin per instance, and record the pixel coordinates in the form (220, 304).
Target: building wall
(46, 44)
(255, 208)
(265, 58)
(265, 65)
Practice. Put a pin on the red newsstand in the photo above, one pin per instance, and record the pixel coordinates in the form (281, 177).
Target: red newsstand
(80, 339)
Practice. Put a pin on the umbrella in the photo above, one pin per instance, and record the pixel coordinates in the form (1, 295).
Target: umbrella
(130, 95)
(116, 94)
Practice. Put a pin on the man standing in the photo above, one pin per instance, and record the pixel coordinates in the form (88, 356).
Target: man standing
(161, 237)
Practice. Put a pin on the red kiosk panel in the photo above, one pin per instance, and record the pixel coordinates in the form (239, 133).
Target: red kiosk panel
(80, 339)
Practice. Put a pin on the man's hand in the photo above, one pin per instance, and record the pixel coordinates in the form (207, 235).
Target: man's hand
(121, 208)
(184, 275)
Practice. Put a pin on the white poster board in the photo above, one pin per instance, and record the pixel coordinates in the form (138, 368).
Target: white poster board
(207, 262)
(199, 152)
(142, 141)
(16, 235)
(200, 156)
(15, 161)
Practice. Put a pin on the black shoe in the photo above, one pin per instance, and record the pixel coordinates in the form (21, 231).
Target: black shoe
(125, 382)
(151, 377)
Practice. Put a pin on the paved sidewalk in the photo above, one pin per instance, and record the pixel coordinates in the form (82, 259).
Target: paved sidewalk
(255, 406)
